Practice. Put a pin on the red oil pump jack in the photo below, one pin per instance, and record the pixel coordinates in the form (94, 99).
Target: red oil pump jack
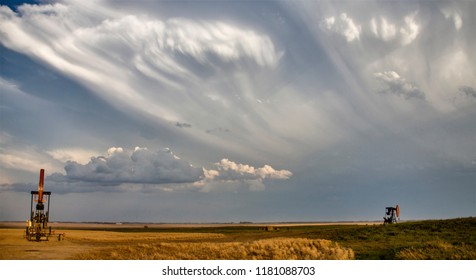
(37, 226)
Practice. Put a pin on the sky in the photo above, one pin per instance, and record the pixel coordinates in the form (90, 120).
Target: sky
(228, 111)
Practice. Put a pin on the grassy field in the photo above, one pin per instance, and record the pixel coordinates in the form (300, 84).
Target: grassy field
(266, 249)
(435, 239)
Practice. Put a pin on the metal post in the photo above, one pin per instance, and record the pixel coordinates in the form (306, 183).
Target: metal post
(48, 213)
(31, 206)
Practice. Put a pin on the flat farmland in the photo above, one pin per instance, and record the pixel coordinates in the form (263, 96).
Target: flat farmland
(433, 239)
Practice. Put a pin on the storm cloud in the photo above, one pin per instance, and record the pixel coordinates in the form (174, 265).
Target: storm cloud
(469, 91)
(333, 108)
(142, 166)
(138, 166)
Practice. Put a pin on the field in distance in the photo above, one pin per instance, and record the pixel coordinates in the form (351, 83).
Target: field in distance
(433, 239)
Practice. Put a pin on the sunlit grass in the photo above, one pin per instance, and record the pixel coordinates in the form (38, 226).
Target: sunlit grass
(438, 250)
(112, 236)
(268, 249)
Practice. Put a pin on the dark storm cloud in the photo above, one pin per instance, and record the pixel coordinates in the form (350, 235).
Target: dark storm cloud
(183, 125)
(469, 91)
(139, 166)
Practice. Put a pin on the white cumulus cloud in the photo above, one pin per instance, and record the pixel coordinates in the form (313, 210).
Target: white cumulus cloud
(404, 32)
(395, 84)
(343, 25)
(228, 172)
(455, 16)
(410, 30)
(142, 166)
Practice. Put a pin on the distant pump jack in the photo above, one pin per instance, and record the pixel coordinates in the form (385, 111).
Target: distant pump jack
(391, 215)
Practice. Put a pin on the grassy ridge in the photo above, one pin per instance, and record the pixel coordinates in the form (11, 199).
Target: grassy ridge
(440, 239)
(432, 239)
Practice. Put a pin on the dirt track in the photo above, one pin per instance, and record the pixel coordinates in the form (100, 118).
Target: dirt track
(13, 246)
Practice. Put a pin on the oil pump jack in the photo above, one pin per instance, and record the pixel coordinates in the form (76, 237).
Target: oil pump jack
(37, 226)
(391, 215)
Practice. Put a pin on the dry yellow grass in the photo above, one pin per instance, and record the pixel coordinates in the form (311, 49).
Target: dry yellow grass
(437, 250)
(268, 249)
(111, 236)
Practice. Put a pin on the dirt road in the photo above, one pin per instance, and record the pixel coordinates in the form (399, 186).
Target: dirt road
(13, 246)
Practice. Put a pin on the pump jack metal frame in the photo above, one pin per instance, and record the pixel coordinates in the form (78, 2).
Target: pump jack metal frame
(37, 226)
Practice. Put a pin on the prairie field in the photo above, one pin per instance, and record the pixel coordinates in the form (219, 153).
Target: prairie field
(434, 239)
